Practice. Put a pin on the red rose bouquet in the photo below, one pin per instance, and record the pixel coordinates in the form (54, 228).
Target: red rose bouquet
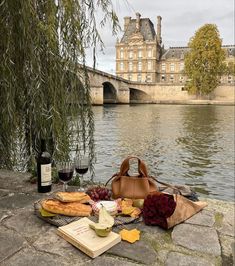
(168, 210)
(157, 208)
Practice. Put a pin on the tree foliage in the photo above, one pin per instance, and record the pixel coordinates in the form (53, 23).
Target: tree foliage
(204, 63)
(42, 54)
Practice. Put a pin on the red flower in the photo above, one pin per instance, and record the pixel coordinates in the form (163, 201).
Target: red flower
(157, 208)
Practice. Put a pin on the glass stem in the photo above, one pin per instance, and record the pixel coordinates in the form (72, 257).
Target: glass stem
(81, 183)
(65, 186)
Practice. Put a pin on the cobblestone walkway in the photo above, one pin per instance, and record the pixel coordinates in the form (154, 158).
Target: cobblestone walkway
(205, 239)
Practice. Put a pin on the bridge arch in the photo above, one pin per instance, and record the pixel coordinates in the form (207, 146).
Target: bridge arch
(139, 96)
(109, 93)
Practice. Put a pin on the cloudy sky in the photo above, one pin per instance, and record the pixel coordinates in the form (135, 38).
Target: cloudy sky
(180, 20)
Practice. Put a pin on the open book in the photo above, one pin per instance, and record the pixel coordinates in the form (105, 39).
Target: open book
(84, 238)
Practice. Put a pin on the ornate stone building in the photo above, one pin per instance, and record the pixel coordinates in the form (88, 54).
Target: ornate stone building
(171, 64)
(139, 51)
(140, 56)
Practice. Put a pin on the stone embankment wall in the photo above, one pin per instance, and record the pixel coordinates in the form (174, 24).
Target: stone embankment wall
(223, 93)
(166, 93)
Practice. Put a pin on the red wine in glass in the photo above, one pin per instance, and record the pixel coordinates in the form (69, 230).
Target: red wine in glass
(81, 167)
(81, 171)
(65, 174)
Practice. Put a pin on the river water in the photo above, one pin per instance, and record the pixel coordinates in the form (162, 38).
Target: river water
(181, 144)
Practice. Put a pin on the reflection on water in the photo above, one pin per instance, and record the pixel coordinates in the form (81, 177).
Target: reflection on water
(181, 144)
(199, 143)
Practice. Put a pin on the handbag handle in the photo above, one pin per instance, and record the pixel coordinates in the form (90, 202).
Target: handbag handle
(116, 174)
(125, 166)
(166, 184)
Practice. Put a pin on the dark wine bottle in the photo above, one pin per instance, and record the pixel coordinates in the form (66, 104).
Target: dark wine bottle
(44, 169)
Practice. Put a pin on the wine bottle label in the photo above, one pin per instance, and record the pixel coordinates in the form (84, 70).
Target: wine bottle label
(46, 174)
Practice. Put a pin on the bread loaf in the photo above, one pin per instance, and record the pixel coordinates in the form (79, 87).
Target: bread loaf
(69, 209)
(81, 197)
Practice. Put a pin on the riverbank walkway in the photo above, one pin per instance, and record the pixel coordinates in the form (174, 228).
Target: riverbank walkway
(206, 239)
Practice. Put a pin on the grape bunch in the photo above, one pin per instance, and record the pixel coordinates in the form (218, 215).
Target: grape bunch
(99, 193)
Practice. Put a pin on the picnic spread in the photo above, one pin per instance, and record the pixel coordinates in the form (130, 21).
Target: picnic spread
(129, 199)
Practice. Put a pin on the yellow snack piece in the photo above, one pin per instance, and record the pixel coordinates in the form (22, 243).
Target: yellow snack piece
(136, 212)
(126, 203)
(45, 213)
(130, 236)
(128, 210)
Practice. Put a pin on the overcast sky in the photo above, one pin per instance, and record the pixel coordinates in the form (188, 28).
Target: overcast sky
(180, 20)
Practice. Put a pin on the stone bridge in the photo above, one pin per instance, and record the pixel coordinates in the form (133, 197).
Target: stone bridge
(108, 88)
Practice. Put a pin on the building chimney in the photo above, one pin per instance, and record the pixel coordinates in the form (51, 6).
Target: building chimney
(126, 22)
(137, 25)
(159, 26)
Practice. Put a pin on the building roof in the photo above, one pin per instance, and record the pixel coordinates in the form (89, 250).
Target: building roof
(230, 50)
(175, 52)
(146, 29)
(179, 52)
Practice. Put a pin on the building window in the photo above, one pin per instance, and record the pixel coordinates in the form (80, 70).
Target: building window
(139, 66)
(131, 54)
(149, 53)
(130, 76)
(182, 55)
(121, 53)
(181, 66)
(130, 66)
(139, 53)
(181, 79)
(163, 78)
(149, 65)
(229, 79)
(171, 78)
(148, 78)
(163, 67)
(121, 66)
(172, 67)
(139, 77)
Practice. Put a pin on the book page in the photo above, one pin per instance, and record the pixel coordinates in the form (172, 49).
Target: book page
(82, 233)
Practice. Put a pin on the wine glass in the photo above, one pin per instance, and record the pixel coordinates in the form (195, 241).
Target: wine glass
(81, 167)
(65, 172)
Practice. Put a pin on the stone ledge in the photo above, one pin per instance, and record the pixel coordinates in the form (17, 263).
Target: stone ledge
(27, 240)
(198, 238)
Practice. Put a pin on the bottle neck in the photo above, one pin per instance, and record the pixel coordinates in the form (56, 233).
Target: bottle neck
(43, 145)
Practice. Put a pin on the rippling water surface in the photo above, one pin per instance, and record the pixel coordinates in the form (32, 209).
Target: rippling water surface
(181, 144)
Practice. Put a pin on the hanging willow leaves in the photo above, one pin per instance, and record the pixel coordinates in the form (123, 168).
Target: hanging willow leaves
(44, 87)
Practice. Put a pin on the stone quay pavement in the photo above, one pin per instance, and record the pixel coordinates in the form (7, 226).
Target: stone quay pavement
(205, 239)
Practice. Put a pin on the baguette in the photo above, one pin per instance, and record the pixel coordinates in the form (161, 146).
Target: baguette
(68, 209)
(81, 197)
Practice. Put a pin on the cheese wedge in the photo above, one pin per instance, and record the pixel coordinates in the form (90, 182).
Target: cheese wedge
(69, 209)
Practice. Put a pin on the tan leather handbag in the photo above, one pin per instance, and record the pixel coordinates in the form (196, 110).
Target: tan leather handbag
(133, 187)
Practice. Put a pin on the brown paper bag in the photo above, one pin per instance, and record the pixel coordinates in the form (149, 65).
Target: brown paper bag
(184, 210)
